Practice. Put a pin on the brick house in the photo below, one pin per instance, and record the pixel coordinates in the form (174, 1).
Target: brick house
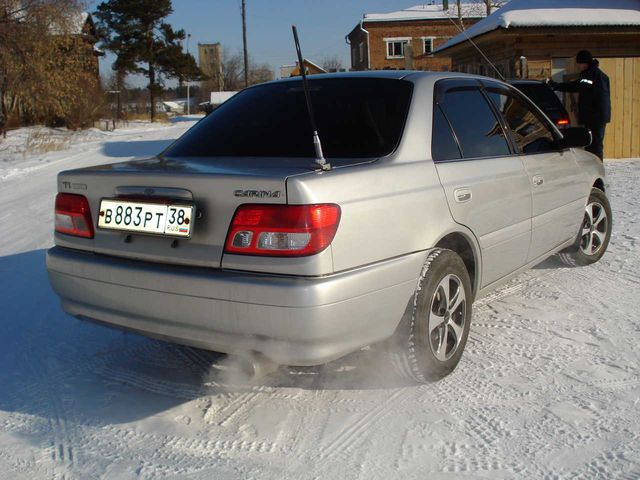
(537, 39)
(406, 39)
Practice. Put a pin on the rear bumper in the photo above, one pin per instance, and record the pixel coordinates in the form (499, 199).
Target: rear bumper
(291, 320)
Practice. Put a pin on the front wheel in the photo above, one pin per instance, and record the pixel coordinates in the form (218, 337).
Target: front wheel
(595, 232)
(433, 333)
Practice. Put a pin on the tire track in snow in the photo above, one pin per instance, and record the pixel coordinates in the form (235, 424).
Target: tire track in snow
(350, 435)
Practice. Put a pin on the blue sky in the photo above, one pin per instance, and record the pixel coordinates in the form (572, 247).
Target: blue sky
(322, 26)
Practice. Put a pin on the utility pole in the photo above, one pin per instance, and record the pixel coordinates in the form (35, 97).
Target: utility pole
(244, 43)
(188, 82)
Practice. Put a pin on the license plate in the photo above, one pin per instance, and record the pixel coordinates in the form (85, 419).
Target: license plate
(173, 220)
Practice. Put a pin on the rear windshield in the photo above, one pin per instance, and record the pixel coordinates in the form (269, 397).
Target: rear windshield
(541, 95)
(356, 117)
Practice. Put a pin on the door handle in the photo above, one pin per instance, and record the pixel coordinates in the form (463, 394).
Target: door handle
(537, 180)
(462, 194)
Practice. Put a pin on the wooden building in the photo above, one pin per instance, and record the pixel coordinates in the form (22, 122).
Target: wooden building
(78, 38)
(407, 38)
(310, 68)
(539, 38)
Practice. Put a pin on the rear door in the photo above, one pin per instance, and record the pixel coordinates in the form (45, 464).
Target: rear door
(486, 185)
(556, 181)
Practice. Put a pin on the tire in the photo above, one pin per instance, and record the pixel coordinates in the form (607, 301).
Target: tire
(594, 235)
(429, 319)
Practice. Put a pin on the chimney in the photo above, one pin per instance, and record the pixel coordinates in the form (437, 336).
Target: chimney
(445, 5)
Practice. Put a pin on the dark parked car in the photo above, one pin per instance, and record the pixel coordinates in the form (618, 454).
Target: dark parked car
(545, 99)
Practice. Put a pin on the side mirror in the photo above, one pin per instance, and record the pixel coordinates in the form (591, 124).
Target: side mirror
(575, 137)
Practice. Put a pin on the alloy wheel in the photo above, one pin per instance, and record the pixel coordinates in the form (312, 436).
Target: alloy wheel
(594, 229)
(447, 317)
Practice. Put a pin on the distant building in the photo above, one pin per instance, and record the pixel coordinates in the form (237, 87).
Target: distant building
(310, 68)
(82, 32)
(406, 39)
(287, 70)
(210, 62)
(538, 39)
(218, 98)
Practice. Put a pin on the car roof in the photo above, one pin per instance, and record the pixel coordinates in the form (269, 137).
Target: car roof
(383, 74)
(523, 81)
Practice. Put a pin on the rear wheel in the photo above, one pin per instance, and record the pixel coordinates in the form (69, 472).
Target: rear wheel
(433, 333)
(595, 232)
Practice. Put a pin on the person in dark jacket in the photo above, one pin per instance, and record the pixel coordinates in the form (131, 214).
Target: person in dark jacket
(594, 102)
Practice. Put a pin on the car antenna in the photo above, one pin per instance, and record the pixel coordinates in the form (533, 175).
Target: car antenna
(320, 160)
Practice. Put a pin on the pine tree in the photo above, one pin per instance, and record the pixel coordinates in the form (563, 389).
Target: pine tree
(144, 43)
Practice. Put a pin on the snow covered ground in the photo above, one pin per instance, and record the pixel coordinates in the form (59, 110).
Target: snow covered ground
(549, 385)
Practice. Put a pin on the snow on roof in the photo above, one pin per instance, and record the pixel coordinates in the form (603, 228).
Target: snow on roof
(429, 12)
(77, 22)
(72, 24)
(555, 13)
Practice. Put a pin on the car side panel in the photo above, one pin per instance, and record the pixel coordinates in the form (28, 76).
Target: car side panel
(558, 187)
(498, 210)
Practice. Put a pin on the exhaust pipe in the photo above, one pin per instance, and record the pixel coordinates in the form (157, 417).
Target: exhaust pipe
(242, 368)
(255, 366)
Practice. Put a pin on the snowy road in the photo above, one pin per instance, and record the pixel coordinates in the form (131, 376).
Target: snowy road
(549, 386)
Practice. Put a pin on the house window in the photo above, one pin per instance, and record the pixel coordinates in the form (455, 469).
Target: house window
(395, 47)
(427, 43)
(361, 51)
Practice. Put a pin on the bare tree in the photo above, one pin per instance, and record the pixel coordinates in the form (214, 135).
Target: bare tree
(233, 72)
(485, 6)
(331, 63)
(476, 8)
(260, 73)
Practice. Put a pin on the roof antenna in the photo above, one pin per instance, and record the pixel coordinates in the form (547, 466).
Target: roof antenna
(320, 160)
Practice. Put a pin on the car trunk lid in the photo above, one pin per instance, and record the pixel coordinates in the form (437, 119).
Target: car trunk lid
(215, 186)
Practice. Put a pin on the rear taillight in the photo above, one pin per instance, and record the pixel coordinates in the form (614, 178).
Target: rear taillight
(73, 215)
(562, 122)
(282, 230)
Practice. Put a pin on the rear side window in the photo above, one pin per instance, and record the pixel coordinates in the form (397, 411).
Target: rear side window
(474, 123)
(356, 117)
(443, 144)
(530, 133)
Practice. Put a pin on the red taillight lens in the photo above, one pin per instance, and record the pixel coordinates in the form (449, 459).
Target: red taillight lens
(73, 215)
(282, 230)
(562, 121)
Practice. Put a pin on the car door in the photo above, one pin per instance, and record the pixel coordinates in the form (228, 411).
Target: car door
(485, 183)
(556, 181)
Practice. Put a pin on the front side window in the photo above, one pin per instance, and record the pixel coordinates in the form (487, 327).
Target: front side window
(530, 133)
(395, 47)
(356, 118)
(474, 123)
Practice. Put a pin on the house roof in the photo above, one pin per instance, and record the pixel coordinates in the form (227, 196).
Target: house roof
(72, 25)
(554, 13)
(429, 12)
(78, 21)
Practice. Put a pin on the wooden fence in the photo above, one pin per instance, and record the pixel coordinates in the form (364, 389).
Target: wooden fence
(622, 139)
